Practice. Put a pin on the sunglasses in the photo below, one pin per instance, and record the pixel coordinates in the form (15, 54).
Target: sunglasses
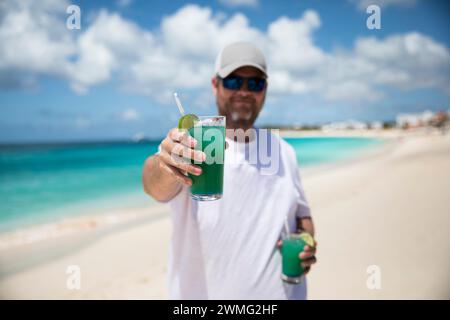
(254, 84)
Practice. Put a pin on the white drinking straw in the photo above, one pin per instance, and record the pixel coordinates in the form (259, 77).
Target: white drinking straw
(178, 102)
(286, 227)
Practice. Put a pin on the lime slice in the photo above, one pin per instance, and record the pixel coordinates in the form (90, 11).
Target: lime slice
(309, 240)
(187, 121)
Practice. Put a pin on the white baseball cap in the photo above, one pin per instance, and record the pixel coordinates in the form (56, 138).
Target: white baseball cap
(237, 55)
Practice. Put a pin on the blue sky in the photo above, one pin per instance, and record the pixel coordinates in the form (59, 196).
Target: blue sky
(113, 78)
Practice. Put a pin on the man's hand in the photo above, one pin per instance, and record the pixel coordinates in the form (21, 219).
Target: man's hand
(165, 172)
(307, 256)
(176, 146)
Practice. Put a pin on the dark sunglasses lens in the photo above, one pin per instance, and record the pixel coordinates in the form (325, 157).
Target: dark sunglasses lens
(232, 83)
(256, 84)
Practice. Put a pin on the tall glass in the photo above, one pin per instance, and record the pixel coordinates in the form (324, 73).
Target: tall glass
(210, 135)
(292, 246)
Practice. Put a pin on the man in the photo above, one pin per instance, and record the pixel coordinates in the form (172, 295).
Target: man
(228, 248)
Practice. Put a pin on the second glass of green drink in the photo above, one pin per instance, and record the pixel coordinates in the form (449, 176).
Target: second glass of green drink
(209, 131)
(292, 246)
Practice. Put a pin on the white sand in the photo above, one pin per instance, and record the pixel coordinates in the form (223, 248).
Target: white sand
(390, 209)
(127, 262)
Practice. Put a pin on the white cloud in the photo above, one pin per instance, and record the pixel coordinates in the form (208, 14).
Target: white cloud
(184, 51)
(180, 54)
(109, 44)
(363, 4)
(351, 91)
(129, 115)
(407, 61)
(238, 3)
(291, 44)
(34, 40)
(283, 82)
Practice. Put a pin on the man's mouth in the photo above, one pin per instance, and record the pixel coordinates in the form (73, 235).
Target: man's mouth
(243, 104)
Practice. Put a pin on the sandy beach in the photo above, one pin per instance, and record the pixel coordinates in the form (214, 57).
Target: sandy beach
(389, 208)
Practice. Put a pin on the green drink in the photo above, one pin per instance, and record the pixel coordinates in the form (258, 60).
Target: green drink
(292, 271)
(291, 248)
(210, 135)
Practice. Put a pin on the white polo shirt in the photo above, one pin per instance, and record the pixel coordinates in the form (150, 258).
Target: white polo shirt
(226, 249)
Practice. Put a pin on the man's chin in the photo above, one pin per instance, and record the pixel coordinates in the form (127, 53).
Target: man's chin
(237, 116)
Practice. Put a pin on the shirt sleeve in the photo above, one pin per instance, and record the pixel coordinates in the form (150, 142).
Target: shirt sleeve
(303, 210)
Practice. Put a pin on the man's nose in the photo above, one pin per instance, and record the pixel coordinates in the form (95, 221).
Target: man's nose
(243, 93)
(244, 89)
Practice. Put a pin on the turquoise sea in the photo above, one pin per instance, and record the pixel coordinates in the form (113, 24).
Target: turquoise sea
(42, 183)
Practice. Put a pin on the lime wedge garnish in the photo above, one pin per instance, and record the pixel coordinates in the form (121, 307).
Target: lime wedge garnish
(187, 121)
(309, 240)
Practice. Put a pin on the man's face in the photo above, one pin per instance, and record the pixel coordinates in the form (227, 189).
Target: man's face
(241, 107)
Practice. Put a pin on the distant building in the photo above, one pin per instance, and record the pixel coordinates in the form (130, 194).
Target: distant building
(345, 125)
(376, 125)
(439, 119)
(414, 120)
(427, 116)
(407, 120)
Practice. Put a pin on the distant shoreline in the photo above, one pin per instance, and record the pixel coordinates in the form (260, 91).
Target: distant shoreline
(74, 143)
(363, 133)
(283, 132)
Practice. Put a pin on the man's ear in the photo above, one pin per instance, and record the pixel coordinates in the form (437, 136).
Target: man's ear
(214, 84)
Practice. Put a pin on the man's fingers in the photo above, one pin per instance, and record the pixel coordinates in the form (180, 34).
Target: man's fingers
(179, 150)
(279, 243)
(309, 249)
(308, 263)
(184, 165)
(184, 138)
(188, 153)
(306, 254)
(177, 135)
(180, 163)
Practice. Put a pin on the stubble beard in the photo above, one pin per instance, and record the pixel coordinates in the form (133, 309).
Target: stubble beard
(238, 120)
